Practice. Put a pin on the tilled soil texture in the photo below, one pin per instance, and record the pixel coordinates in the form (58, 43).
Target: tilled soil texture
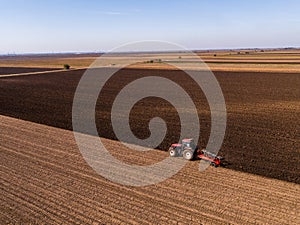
(16, 70)
(44, 180)
(262, 135)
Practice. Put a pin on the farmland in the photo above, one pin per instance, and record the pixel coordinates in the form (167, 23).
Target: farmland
(235, 60)
(17, 70)
(261, 135)
(44, 178)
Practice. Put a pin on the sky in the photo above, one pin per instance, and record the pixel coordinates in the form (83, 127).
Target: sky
(34, 26)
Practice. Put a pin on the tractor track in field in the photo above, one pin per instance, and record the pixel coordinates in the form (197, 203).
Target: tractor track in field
(44, 179)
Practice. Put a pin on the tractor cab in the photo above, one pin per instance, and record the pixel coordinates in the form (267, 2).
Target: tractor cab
(189, 143)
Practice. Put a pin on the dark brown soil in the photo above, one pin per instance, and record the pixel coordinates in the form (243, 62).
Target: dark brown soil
(15, 70)
(262, 134)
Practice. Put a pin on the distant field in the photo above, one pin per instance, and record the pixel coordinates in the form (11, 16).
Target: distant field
(255, 61)
(47, 61)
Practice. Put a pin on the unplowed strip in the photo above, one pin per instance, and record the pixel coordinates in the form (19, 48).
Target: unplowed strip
(44, 179)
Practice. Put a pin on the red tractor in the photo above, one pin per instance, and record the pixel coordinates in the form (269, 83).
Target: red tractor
(186, 149)
(189, 151)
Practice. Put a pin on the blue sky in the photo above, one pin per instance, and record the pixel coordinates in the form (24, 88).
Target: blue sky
(97, 25)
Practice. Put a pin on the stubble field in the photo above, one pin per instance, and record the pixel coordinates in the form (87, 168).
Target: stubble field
(44, 180)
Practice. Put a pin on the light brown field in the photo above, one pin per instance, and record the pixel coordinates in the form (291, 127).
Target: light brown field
(255, 61)
(44, 179)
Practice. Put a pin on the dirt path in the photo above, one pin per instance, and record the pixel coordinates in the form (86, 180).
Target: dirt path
(35, 73)
(44, 179)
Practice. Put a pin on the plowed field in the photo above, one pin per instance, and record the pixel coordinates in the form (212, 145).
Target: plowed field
(262, 134)
(15, 70)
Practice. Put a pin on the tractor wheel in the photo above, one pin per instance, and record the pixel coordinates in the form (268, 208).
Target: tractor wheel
(188, 154)
(172, 152)
(213, 164)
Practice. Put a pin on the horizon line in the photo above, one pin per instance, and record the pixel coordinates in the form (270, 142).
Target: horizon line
(147, 51)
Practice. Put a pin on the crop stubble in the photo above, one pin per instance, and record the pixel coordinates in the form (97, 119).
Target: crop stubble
(44, 179)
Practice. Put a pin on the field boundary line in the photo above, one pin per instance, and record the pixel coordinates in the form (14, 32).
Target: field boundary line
(35, 73)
